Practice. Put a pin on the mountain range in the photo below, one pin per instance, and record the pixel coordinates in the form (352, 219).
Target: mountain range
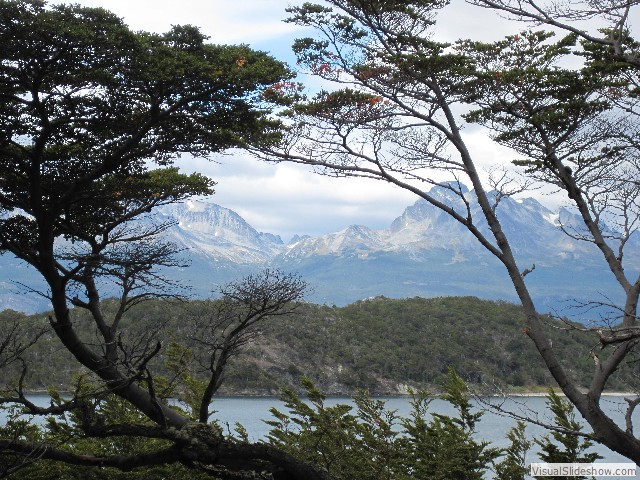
(423, 252)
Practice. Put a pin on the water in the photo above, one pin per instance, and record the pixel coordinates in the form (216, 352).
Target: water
(252, 411)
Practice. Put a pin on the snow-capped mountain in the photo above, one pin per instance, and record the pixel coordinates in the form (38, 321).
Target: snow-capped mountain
(534, 232)
(218, 233)
(355, 239)
(423, 252)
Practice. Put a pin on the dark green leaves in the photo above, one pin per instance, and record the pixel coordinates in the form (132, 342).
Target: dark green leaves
(530, 100)
(88, 112)
(87, 104)
(565, 445)
(369, 441)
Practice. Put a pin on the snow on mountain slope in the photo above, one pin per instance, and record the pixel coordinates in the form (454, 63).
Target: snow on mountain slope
(218, 233)
(533, 231)
(221, 235)
(423, 252)
(355, 239)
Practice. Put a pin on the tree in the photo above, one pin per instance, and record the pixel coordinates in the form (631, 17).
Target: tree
(513, 466)
(613, 35)
(445, 447)
(370, 441)
(92, 115)
(397, 113)
(571, 449)
(219, 329)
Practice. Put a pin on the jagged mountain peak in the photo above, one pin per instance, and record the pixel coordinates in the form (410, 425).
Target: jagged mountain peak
(297, 238)
(461, 198)
(211, 218)
(213, 231)
(424, 252)
(422, 217)
(352, 239)
(206, 216)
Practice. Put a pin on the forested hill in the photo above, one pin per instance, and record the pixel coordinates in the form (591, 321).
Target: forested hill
(380, 344)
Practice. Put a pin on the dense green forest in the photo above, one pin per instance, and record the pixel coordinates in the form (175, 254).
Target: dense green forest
(382, 345)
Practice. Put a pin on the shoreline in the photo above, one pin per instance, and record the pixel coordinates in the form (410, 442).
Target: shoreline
(533, 393)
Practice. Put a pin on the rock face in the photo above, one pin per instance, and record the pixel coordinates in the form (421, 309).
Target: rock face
(219, 234)
(424, 252)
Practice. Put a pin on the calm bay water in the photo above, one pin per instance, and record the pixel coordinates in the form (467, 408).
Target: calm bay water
(252, 411)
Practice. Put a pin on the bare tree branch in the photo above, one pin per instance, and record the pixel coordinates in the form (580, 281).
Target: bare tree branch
(223, 327)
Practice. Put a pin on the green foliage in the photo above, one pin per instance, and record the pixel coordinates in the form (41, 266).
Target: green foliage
(369, 441)
(87, 103)
(358, 441)
(65, 433)
(346, 103)
(445, 448)
(513, 466)
(376, 345)
(521, 74)
(386, 338)
(92, 115)
(573, 127)
(187, 386)
(316, 433)
(564, 445)
(603, 60)
(409, 61)
(373, 442)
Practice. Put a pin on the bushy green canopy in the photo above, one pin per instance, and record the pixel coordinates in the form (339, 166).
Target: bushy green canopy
(90, 107)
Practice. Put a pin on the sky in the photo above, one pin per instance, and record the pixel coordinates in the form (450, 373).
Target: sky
(286, 199)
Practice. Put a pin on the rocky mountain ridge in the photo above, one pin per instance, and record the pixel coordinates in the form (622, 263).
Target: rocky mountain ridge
(423, 252)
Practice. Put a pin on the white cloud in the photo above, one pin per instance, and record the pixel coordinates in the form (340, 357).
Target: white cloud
(246, 21)
(288, 199)
(284, 198)
(459, 19)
